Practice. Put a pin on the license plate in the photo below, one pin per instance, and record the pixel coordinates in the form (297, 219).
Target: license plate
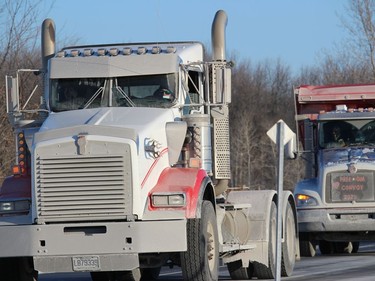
(86, 263)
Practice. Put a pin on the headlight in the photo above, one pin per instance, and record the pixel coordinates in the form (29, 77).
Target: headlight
(168, 200)
(304, 200)
(19, 206)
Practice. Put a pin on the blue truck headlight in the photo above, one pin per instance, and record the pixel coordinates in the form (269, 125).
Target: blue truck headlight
(304, 200)
(14, 206)
(168, 200)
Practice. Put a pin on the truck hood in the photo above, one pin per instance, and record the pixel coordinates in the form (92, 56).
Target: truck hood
(348, 155)
(130, 117)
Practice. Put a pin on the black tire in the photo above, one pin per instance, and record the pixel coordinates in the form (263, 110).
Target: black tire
(150, 273)
(17, 269)
(342, 247)
(26, 269)
(288, 258)
(101, 276)
(268, 271)
(346, 247)
(131, 275)
(355, 247)
(201, 260)
(326, 247)
(238, 272)
(307, 248)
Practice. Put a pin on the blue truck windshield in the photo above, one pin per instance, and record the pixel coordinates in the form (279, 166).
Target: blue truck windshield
(342, 133)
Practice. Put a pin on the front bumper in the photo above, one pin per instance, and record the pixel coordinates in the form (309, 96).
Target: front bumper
(116, 244)
(336, 220)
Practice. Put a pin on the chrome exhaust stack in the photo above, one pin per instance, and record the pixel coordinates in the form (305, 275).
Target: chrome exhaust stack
(218, 35)
(48, 42)
(220, 93)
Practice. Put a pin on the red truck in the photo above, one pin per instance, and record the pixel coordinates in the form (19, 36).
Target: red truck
(336, 200)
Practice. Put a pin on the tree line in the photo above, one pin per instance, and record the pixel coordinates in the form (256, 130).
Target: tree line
(262, 93)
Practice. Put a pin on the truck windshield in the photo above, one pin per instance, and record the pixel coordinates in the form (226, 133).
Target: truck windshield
(133, 91)
(343, 133)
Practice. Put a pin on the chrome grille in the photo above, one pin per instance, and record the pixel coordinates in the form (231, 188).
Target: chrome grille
(82, 188)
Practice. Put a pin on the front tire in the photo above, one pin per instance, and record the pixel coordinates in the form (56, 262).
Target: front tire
(201, 260)
(17, 269)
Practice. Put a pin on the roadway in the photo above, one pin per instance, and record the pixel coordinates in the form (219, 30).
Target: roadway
(353, 267)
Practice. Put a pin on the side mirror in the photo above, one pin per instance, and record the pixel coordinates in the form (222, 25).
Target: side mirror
(290, 148)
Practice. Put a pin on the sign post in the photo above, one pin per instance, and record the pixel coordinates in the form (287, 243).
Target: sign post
(280, 134)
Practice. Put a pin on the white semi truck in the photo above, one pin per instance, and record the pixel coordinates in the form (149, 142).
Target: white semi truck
(125, 167)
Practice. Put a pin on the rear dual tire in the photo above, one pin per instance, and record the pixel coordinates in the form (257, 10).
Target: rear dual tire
(288, 255)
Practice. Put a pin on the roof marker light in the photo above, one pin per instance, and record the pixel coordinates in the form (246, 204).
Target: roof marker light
(61, 54)
(127, 51)
(113, 51)
(102, 52)
(341, 107)
(156, 50)
(75, 53)
(171, 49)
(141, 50)
(88, 52)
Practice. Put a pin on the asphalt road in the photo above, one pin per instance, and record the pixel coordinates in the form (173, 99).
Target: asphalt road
(354, 267)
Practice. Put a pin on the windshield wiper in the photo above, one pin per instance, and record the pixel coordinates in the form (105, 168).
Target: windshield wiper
(126, 97)
(97, 93)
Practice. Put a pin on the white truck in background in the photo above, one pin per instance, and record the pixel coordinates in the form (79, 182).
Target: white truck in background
(125, 167)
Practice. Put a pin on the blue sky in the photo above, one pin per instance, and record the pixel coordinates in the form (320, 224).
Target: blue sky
(294, 31)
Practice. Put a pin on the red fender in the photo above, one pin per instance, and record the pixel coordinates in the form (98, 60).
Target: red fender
(186, 180)
(16, 187)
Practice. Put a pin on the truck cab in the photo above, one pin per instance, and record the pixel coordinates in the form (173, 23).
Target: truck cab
(335, 201)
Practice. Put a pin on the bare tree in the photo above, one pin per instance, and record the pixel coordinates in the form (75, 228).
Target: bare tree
(353, 59)
(262, 94)
(360, 24)
(19, 40)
